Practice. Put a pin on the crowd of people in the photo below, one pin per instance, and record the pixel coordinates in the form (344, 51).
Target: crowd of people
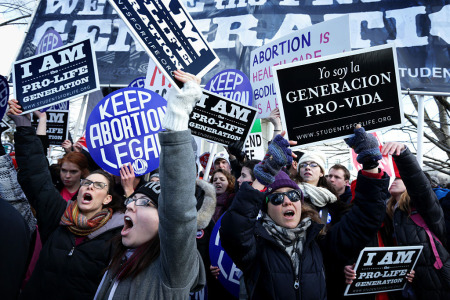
(294, 228)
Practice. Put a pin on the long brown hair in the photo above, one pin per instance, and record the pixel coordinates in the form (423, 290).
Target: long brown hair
(403, 204)
(230, 178)
(77, 159)
(309, 211)
(142, 257)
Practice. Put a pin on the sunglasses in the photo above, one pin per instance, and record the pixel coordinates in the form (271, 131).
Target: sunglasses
(144, 201)
(278, 198)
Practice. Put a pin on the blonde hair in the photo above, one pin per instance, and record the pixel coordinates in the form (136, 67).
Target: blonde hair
(403, 204)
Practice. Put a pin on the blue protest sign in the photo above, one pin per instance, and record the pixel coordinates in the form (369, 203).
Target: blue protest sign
(123, 128)
(49, 41)
(232, 84)
(229, 274)
(56, 76)
(138, 82)
(4, 95)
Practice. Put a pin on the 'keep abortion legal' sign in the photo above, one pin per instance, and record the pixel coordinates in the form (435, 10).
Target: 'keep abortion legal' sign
(123, 128)
(325, 98)
(231, 84)
(53, 77)
(220, 120)
(383, 269)
(168, 34)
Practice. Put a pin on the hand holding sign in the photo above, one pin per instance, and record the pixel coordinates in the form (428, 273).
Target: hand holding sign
(392, 148)
(14, 112)
(366, 146)
(179, 106)
(127, 179)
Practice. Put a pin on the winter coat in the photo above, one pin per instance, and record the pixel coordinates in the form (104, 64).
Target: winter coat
(267, 268)
(428, 282)
(63, 271)
(179, 267)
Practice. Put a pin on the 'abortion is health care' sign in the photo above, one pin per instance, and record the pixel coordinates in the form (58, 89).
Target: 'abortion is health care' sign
(123, 128)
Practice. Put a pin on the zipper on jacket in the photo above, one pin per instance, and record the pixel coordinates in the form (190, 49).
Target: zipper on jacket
(296, 284)
(71, 251)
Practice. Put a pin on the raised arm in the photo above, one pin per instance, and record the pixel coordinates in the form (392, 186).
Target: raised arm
(34, 176)
(182, 266)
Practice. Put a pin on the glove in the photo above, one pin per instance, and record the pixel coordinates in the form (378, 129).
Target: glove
(235, 149)
(366, 146)
(278, 155)
(180, 105)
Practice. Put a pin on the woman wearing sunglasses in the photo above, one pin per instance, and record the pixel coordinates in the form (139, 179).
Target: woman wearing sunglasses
(282, 255)
(75, 235)
(156, 256)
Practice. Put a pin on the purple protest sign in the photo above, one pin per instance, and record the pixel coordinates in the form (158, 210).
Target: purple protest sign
(232, 84)
(4, 95)
(123, 128)
(49, 41)
(138, 82)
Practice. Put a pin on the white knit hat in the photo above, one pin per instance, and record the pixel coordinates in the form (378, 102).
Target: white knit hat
(316, 156)
(223, 155)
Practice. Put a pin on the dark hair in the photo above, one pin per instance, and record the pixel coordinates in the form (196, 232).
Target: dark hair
(251, 164)
(230, 178)
(116, 203)
(79, 160)
(341, 167)
(142, 257)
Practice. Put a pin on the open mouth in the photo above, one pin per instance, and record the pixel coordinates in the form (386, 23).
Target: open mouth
(289, 213)
(128, 224)
(87, 198)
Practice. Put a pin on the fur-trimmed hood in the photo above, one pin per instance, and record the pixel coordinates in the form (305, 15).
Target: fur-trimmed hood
(206, 203)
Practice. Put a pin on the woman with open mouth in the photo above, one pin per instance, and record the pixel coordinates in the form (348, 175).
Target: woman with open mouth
(156, 256)
(75, 235)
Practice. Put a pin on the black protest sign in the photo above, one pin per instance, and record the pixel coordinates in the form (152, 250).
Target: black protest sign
(323, 99)
(383, 269)
(57, 126)
(168, 34)
(221, 120)
(56, 76)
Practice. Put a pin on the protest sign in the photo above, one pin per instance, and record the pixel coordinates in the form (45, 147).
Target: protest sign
(221, 120)
(383, 269)
(329, 37)
(229, 274)
(204, 159)
(168, 34)
(323, 99)
(4, 126)
(123, 128)
(138, 82)
(57, 76)
(254, 148)
(49, 41)
(4, 95)
(155, 80)
(231, 84)
(57, 123)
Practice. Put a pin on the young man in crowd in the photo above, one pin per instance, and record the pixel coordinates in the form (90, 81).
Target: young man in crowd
(339, 177)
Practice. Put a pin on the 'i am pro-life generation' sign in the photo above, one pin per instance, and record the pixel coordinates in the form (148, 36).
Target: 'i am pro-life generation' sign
(123, 128)
(168, 34)
(383, 269)
(324, 98)
(221, 120)
(57, 126)
(56, 76)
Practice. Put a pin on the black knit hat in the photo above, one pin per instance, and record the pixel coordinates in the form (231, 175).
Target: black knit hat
(151, 189)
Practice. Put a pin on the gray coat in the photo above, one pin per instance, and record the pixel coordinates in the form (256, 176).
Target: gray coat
(179, 268)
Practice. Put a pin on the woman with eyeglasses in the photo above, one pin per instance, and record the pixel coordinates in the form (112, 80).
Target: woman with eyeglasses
(75, 235)
(156, 256)
(282, 255)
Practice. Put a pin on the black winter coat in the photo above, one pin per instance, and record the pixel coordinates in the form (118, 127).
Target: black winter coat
(267, 268)
(428, 283)
(63, 271)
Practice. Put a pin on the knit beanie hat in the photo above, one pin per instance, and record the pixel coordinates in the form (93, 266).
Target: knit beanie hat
(151, 189)
(281, 180)
(316, 156)
(222, 155)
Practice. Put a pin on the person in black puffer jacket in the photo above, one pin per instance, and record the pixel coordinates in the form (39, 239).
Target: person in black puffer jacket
(412, 194)
(282, 255)
(75, 235)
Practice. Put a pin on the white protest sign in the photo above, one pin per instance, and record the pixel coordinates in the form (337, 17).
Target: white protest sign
(329, 37)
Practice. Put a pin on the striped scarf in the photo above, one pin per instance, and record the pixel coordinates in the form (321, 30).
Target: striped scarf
(319, 196)
(79, 225)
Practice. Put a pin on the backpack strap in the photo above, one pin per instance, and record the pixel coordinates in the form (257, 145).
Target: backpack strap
(417, 218)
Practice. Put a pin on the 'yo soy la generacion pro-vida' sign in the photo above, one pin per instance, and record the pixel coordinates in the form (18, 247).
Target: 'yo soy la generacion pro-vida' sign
(123, 128)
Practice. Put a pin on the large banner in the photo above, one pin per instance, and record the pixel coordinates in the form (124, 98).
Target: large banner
(56, 76)
(168, 34)
(235, 28)
(383, 269)
(323, 99)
